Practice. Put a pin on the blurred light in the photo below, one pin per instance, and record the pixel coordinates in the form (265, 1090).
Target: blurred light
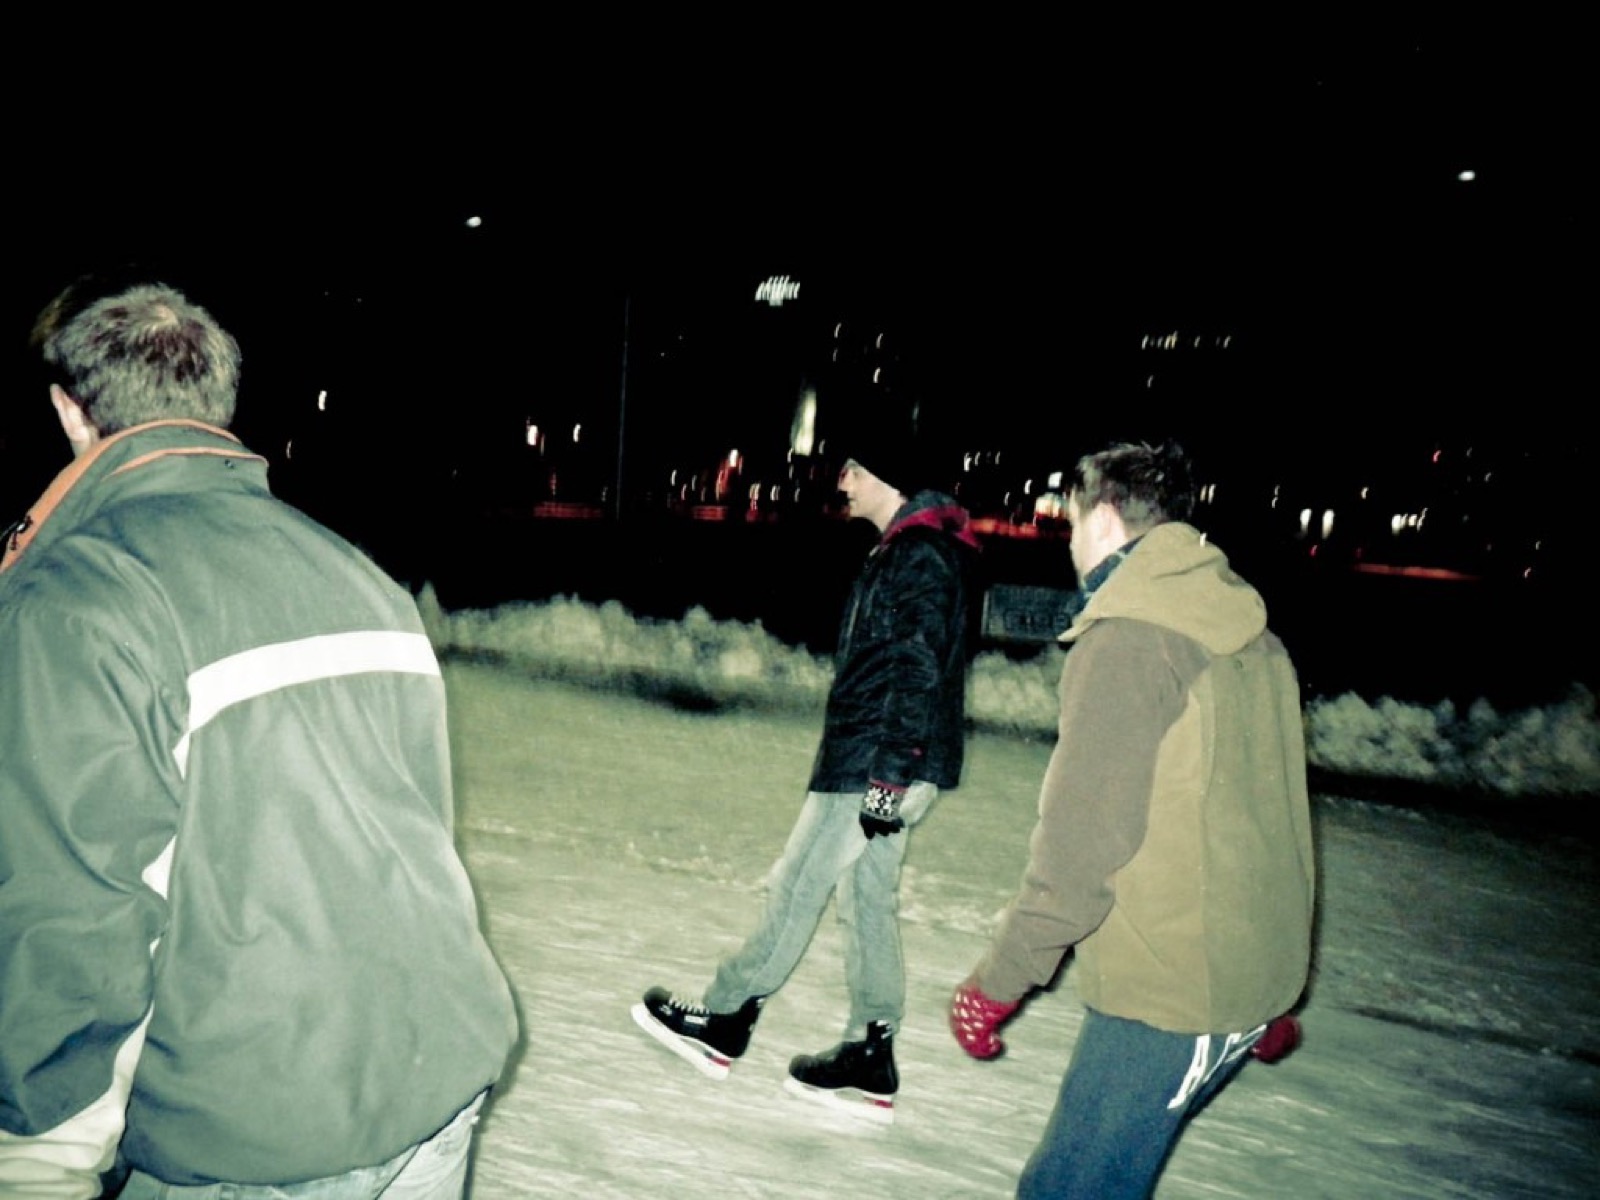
(1054, 481)
(322, 400)
(1466, 176)
(531, 433)
(733, 459)
(577, 434)
(803, 430)
(1327, 524)
(474, 222)
(288, 448)
(775, 289)
(1305, 520)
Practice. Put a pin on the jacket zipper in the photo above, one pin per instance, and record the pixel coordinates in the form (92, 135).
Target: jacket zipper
(16, 529)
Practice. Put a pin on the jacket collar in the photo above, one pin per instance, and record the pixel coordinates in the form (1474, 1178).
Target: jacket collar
(86, 467)
(930, 510)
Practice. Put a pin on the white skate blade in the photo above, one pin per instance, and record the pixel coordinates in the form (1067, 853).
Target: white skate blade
(698, 1055)
(864, 1106)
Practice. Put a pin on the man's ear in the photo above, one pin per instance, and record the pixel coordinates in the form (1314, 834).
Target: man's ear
(1106, 527)
(80, 431)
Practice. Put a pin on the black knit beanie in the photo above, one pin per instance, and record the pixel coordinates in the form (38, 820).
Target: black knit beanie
(889, 449)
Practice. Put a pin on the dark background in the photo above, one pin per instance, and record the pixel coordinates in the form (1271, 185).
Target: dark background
(1017, 206)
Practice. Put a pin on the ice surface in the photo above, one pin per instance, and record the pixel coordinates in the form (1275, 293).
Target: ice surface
(617, 841)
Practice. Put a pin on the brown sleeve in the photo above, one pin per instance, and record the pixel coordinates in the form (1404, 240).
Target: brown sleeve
(1120, 693)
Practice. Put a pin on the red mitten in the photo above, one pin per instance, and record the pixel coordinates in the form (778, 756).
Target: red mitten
(1282, 1036)
(974, 1018)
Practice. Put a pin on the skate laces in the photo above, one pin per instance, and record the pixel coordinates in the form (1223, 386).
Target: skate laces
(688, 1006)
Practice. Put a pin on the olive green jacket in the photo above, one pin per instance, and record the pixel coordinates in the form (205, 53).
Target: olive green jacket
(1173, 848)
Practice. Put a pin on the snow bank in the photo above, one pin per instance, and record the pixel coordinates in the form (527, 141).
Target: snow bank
(701, 662)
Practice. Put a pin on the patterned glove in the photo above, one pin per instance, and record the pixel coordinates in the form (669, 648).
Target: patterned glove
(974, 1018)
(880, 810)
(1282, 1036)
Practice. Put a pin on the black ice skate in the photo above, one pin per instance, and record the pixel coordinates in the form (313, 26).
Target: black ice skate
(854, 1077)
(708, 1040)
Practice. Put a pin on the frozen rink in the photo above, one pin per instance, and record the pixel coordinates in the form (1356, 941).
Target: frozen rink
(1452, 1039)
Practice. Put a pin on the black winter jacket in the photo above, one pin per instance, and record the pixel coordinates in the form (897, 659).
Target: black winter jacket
(896, 712)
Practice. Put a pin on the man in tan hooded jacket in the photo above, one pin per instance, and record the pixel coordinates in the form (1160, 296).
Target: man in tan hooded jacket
(1173, 850)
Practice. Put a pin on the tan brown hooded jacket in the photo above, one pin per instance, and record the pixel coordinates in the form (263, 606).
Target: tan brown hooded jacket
(1173, 848)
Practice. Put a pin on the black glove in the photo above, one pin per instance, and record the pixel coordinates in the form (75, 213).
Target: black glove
(880, 810)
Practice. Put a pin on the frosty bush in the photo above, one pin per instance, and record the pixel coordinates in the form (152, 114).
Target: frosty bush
(697, 660)
(1540, 751)
(701, 661)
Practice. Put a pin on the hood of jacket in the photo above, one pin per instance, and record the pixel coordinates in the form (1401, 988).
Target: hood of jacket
(116, 467)
(932, 510)
(1176, 579)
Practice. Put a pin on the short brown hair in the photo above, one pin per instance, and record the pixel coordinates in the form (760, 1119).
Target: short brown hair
(144, 353)
(1147, 485)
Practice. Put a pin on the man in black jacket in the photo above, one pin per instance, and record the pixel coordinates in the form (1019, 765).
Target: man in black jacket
(892, 739)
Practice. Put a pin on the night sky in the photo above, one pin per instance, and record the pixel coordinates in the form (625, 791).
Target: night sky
(1018, 205)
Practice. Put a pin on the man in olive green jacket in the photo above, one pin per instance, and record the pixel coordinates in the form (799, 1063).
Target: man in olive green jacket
(238, 948)
(1173, 850)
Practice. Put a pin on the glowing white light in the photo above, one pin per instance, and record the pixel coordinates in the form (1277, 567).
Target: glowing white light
(775, 289)
(1466, 176)
(577, 434)
(803, 429)
(474, 222)
(1054, 481)
(733, 459)
(531, 433)
(1397, 523)
(322, 400)
(1327, 524)
(1305, 519)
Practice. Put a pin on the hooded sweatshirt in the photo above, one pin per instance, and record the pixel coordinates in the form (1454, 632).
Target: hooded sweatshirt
(1173, 847)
